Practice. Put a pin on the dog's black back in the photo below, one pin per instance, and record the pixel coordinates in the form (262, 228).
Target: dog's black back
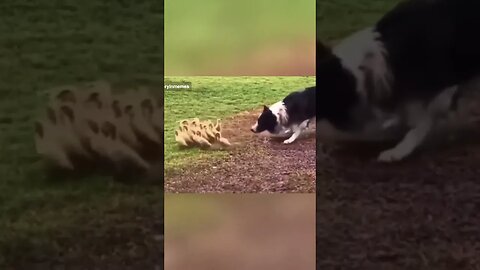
(301, 105)
(431, 45)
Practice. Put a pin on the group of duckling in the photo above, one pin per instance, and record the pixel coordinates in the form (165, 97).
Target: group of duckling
(202, 134)
(88, 126)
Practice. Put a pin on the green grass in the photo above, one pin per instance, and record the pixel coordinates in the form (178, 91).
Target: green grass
(339, 18)
(49, 43)
(200, 35)
(219, 97)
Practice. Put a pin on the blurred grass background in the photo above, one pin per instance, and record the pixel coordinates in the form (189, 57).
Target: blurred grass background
(215, 37)
(90, 223)
(337, 19)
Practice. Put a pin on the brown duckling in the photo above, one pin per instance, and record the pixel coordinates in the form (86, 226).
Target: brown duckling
(188, 134)
(124, 128)
(218, 126)
(63, 94)
(223, 141)
(49, 148)
(203, 131)
(200, 141)
(195, 122)
(152, 114)
(96, 94)
(182, 139)
(210, 132)
(106, 144)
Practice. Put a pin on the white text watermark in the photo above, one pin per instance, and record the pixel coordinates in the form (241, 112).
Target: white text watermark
(178, 86)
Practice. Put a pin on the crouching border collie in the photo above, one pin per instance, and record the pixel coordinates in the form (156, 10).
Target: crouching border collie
(410, 65)
(291, 115)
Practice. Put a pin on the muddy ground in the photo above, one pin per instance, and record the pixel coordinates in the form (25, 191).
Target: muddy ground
(255, 164)
(423, 213)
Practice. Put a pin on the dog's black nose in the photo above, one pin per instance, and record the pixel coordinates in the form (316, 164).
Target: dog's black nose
(252, 130)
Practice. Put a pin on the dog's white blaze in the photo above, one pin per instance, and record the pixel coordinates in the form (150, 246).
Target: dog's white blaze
(363, 50)
(280, 111)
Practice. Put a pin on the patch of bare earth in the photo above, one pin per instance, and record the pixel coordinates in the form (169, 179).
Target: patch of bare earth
(423, 213)
(254, 164)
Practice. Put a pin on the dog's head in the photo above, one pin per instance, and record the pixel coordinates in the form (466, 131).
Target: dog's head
(336, 96)
(267, 121)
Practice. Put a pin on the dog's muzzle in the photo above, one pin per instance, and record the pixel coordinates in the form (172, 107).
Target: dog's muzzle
(254, 128)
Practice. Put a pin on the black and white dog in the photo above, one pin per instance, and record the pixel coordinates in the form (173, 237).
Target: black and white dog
(405, 70)
(291, 115)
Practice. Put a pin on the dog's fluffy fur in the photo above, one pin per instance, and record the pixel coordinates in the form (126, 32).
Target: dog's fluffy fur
(291, 115)
(405, 70)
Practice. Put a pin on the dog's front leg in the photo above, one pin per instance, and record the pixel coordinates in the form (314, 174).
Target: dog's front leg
(409, 143)
(421, 120)
(297, 130)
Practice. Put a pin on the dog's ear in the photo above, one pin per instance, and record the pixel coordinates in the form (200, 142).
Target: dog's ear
(265, 108)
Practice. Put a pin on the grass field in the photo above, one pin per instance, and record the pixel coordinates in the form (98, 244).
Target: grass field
(219, 97)
(338, 18)
(89, 221)
(216, 34)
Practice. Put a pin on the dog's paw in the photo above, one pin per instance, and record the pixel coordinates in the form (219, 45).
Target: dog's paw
(391, 155)
(288, 141)
(390, 123)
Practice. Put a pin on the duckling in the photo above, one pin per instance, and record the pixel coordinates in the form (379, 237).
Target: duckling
(96, 94)
(125, 131)
(180, 138)
(209, 130)
(192, 129)
(195, 122)
(107, 145)
(188, 135)
(208, 123)
(55, 137)
(64, 94)
(152, 114)
(203, 131)
(66, 129)
(221, 140)
(202, 142)
(47, 147)
(218, 126)
(185, 122)
(140, 125)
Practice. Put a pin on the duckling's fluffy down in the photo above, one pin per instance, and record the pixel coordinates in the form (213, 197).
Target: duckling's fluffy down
(100, 126)
(202, 134)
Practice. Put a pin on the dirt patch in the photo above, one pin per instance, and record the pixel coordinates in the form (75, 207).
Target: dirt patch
(422, 213)
(255, 164)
